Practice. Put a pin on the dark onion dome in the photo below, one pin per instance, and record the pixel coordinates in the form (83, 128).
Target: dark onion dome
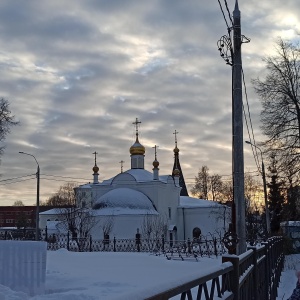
(95, 169)
(176, 150)
(137, 148)
(155, 164)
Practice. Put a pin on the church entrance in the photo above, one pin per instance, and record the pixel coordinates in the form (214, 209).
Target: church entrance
(196, 233)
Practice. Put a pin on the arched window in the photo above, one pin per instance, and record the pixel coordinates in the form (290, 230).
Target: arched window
(196, 233)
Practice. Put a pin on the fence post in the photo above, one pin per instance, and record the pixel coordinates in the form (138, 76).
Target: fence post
(91, 241)
(138, 240)
(255, 270)
(46, 234)
(114, 244)
(215, 247)
(189, 246)
(68, 241)
(234, 275)
(267, 270)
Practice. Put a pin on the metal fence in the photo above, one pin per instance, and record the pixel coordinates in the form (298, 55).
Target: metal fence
(173, 250)
(190, 249)
(253, 275)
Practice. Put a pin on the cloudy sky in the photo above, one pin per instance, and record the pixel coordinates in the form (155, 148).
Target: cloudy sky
(78, 73)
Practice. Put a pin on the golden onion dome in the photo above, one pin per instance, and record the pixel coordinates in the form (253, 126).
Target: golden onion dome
(155, 164)
(176, 172)
(137, 148)
(176, 150)
(95, 169)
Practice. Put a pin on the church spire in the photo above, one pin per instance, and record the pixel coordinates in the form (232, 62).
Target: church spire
(137, 150)
(177, 169)
(95, 169)
(155, 164)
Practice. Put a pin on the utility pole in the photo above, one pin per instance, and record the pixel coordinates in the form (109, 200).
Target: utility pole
(230, 51)
(237, 134)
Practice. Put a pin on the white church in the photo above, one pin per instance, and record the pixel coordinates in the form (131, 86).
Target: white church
(133, 197)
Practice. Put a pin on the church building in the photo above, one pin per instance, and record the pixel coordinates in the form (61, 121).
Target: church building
(133, 199)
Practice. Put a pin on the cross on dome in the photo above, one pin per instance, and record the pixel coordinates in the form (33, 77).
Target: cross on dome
(136, 123)
(121, 162)
(176, 132)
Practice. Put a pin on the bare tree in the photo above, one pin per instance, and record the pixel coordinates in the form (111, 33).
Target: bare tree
(280, 97)
(79, 221)
(65, 196)
(153, 227)
(7, 120)
(107, 224)
(227, 192)
(216, 186)
(18, 203)
(202, 183)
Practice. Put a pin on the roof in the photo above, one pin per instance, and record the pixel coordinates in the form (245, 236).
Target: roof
(140, 175)
(116, 211)
(189, 202)
(124, 198)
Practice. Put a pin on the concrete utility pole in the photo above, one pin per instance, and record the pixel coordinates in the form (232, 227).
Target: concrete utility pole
(237, 134)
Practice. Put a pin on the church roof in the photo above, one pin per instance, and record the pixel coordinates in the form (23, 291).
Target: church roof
(125, 198)
(189, 202)
(140, 175)
(177, 169)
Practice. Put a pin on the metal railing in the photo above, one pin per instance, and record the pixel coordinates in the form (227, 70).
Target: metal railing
(254, 274)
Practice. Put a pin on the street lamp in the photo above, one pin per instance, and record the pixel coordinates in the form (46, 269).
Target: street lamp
(37, 197)
(265, 187)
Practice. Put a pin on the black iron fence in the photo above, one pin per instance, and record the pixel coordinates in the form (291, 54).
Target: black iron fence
(173, 250)
(190, 249)
(253, 275)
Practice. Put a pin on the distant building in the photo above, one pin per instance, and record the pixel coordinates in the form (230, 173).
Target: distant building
(19, 216)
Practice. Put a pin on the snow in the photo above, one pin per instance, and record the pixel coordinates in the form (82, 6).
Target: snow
(125, 198)
(189, 202)
(107, 275)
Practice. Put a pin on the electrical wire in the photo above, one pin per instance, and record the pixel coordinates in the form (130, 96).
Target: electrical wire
(252, 140)
(223, 14)
(229, 15)
(17, 181)
(16, 177)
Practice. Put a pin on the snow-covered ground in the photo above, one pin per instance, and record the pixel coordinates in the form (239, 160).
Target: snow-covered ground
(103, 275)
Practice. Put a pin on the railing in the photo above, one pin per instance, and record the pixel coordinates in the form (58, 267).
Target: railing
(253, 275)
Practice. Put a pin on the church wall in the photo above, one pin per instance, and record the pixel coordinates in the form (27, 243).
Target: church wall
(164, 196)
(125, 227)
(209, 220)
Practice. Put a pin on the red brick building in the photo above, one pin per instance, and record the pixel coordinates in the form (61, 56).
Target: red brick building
(19, 216)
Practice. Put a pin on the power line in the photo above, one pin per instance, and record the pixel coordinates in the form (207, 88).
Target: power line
(17, 181)
(17, 177)
(255, 155)
(229, 15)
(64, 177)
(223, 14)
